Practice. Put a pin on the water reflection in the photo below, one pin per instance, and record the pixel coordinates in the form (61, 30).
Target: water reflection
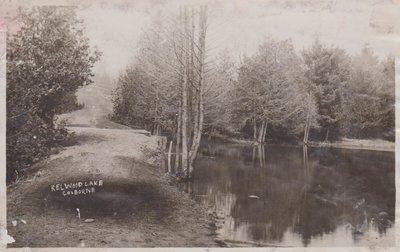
(300, 196)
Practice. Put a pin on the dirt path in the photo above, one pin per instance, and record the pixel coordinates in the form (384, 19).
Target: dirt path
(132, 206)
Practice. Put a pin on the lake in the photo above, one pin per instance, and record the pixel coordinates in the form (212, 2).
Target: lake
(296, 196)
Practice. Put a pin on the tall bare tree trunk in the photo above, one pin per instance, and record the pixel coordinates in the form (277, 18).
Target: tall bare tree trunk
(178, 136)
(155, 127)
(306, 131)
(308, 122)
(265, 131)
(192, 93)
(255, 130)
(254, 155)
(261, 133)
(263, 154)
(327, 135)
(158, 130)
(200, 113)
(169, 156)
(184, 98)
(195, 101)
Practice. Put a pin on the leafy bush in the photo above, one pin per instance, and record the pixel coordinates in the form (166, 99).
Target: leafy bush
(48, 59)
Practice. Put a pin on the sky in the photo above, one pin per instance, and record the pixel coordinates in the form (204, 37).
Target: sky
(239, 26)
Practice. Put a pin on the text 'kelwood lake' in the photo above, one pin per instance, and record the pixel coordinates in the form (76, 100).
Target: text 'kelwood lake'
(76, 188)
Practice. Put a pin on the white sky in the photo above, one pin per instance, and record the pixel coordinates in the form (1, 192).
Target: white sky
(239, 25)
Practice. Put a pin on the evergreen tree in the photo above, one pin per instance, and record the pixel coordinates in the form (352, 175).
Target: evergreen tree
(327, 70)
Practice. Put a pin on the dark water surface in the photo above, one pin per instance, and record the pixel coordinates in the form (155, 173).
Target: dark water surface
(298, 196)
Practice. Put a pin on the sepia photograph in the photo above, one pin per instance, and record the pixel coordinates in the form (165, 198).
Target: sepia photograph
(199, 124)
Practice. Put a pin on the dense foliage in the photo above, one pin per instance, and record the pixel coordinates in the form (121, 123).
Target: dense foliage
(327, 70)
(48, 59)
(271, 91)
(369, 98)
(321, 94)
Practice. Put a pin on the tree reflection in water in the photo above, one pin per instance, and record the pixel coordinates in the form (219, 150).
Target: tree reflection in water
(304, 193)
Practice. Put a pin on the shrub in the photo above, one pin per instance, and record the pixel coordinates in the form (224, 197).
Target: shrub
(48, 59)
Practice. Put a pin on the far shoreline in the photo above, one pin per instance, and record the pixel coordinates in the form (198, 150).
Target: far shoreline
(349, 145)
(344, 143)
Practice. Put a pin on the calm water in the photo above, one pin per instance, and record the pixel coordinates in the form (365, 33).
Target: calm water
(298, 196)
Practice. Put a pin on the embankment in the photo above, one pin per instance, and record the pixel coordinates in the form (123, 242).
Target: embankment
(134, 206)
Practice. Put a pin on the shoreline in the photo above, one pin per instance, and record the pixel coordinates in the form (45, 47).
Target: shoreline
(345, 143)
(355, 146)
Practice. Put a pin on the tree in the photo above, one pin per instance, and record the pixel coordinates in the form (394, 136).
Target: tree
(271, 92)
(368, 103)
(133, 99)
(146, 92)
(246, 102)
(387, 92)
(327, 70)
(191, 53)
(218, 105)
(48, 59)
(168, 77)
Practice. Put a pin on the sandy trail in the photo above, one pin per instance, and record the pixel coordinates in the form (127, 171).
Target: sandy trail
(97, 101)
(97, 148)
(135, 207)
